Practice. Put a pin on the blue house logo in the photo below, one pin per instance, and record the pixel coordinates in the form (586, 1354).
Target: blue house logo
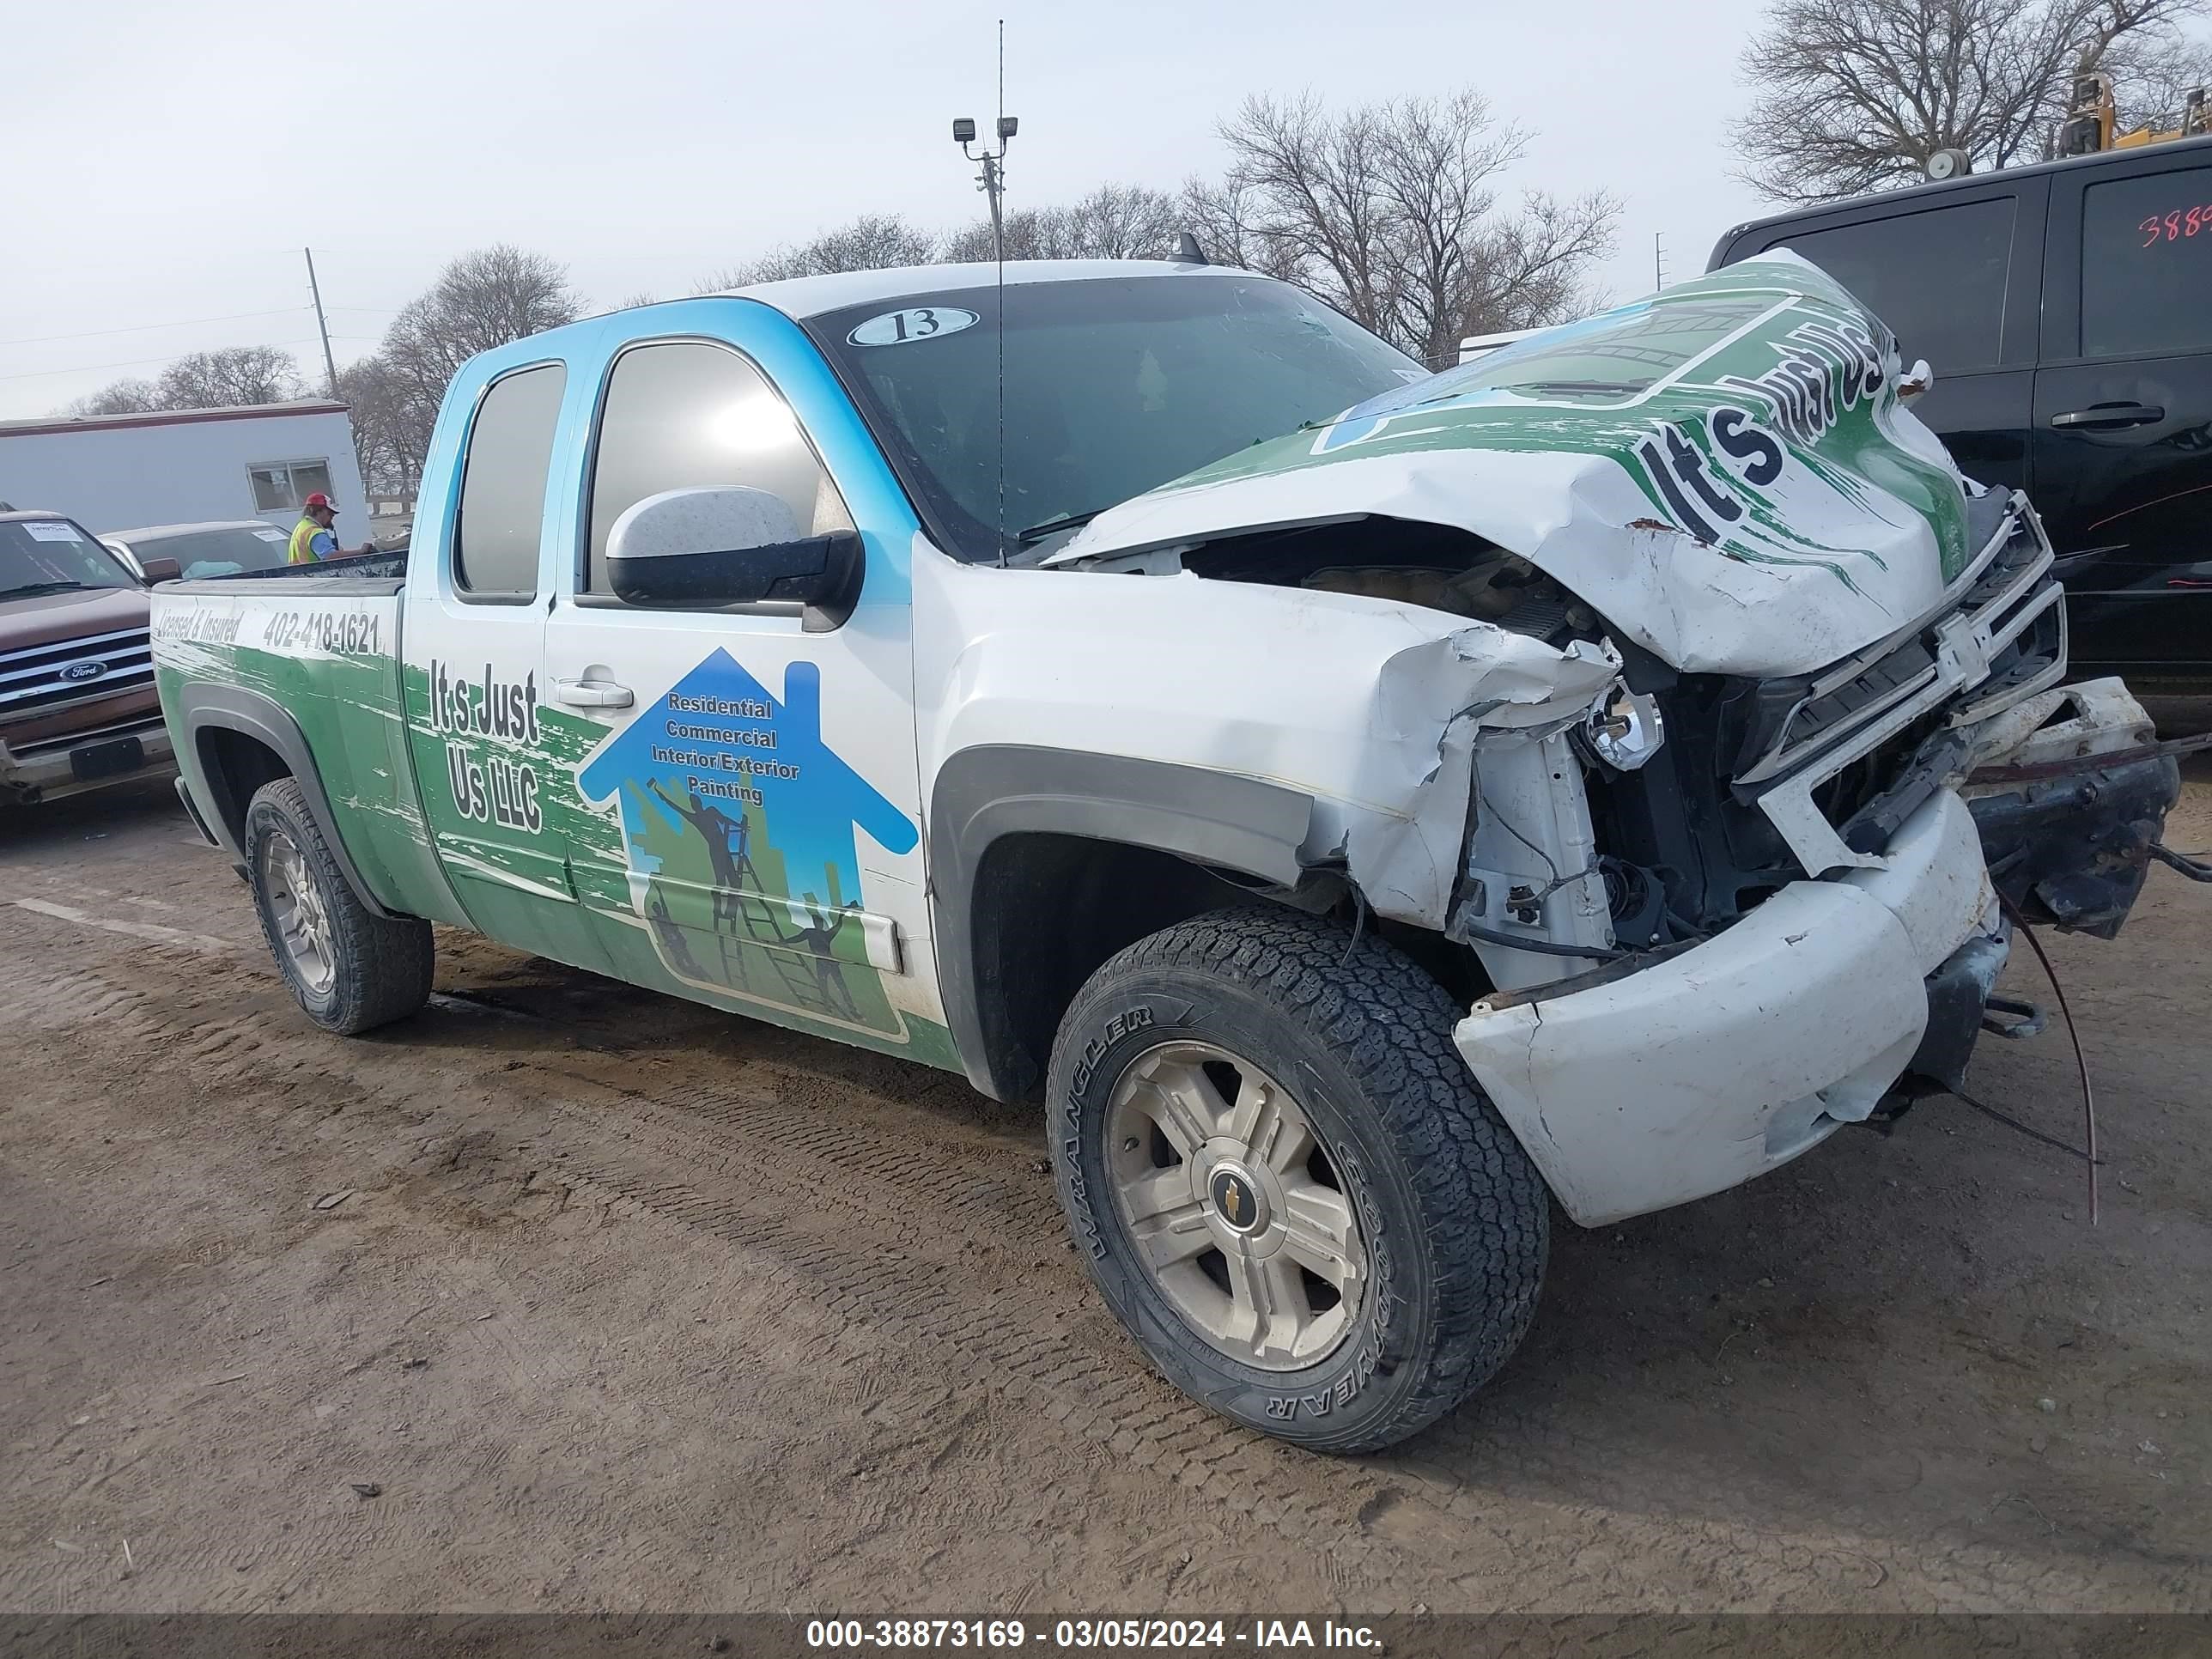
(720, 756)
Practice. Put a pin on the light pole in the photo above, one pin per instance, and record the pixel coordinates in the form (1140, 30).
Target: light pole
(991, 178)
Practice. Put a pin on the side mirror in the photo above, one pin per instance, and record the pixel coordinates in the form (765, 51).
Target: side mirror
(731, 545)
(1919, 380)
(161, 570)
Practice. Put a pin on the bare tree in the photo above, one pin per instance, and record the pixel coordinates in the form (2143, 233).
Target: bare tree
(234, 375)
(118, 398)
(392, 413)
(1532, 269)
(482, 300)
(2154, 73)
(1114, 222)
(1390, 212)
(223, 378)
(874, 241)
(1227, 217)
(1852, 96)
(1311, 183)
(488, 298)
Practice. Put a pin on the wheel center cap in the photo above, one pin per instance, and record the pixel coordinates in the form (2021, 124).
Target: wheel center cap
(1236, 1198)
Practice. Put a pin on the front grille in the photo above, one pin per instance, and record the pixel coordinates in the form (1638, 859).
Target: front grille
(1864, 781)
(1836, 761)
(1792, 719)
(52, 676)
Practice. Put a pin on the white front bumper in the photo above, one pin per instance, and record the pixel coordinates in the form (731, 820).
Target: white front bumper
(1696, 1074)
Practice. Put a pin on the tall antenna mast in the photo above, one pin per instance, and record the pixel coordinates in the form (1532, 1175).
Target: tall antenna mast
(991, 180)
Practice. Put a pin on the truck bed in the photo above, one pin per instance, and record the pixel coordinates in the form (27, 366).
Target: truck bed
(367, 575)
(306, 661)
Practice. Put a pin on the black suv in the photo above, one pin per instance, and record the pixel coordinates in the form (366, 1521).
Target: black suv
(2067, 311)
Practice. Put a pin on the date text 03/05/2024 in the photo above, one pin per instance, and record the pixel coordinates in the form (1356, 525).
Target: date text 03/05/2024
(1257, 1635)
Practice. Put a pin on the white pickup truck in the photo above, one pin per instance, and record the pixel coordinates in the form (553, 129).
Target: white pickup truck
(1361, 804)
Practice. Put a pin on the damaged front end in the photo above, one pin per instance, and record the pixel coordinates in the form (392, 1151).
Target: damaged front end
(1807, 879)
(2070, 817)
(1782, 721)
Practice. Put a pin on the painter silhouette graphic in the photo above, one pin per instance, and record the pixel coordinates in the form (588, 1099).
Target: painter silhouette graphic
(828, 972)
(671, 935)
(729, 842)
(745, 764)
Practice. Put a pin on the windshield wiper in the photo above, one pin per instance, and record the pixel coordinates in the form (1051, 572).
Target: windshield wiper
(1037, 532)
(28, 588)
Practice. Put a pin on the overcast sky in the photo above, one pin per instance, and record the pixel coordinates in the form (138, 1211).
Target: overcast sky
(166, 162)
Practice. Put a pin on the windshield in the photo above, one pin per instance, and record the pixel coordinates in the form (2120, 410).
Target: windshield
(1113, 386)
(223, 551)
(53, 555)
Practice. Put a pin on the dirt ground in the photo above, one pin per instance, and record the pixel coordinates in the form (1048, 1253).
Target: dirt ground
(620, 1303)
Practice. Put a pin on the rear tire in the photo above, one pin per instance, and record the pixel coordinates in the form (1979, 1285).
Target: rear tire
(1286, 1183)
(351, 969)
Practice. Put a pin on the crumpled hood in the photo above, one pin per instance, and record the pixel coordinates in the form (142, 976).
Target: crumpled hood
(1721, 470)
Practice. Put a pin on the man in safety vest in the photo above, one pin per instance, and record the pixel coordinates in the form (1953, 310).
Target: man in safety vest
(315, 538)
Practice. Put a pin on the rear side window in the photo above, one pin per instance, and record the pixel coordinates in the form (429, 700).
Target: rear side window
(503, 483)
(2147, 263)
(1937, 277)
(685, 415)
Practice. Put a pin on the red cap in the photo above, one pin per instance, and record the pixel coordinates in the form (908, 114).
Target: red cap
(320, 500)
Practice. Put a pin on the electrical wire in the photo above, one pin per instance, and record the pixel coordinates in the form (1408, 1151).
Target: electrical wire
(141, 328)
(1558, 881)
(2012, 1122)
(1505, 823)
(1359, 924)
(2073, 1033)
(1542, 947)
(136, 362)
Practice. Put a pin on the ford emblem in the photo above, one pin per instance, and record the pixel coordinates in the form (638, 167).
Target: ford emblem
(78, 673)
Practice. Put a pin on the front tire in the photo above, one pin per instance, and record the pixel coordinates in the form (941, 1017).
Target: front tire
(1285, 1182)
(351, 969)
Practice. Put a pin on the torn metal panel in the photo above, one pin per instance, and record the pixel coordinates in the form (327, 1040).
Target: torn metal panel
(1370, 708)
(2074, 848)
(1533, 865)
(1722, 469)
(1473, 686)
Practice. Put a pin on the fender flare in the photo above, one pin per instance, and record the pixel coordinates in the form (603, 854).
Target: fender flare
(204, 706)
(980, 795)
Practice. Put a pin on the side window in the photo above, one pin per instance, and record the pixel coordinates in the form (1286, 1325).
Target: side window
(272, 488)
(683, 415)
(2147, 263)
(310, 478)
(1937, 277)
(282, 486)
(503, 483)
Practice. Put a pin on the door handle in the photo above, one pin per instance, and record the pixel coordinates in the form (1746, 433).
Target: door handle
(592, 694)
(2104, 416)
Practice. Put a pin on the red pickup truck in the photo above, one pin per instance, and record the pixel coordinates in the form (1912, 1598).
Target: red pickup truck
(78, 705)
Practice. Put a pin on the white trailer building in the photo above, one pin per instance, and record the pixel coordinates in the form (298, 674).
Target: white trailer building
(181, 467)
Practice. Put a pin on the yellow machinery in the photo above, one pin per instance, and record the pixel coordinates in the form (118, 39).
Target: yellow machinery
(2090, 119)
